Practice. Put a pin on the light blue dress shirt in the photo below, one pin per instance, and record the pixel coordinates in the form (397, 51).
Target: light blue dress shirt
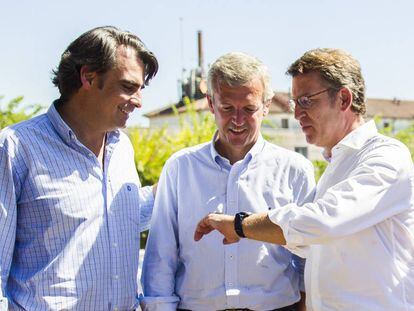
(208, 275)
(69, 229)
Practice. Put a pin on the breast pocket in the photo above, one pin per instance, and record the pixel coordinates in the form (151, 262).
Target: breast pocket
(125, 202)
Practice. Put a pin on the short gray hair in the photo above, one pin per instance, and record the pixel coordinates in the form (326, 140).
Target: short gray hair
(237, 69)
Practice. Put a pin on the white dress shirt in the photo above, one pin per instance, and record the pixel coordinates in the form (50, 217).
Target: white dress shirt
(208, 275)
(360, 227)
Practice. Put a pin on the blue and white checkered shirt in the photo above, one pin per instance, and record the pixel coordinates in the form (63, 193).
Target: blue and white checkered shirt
(69, 229)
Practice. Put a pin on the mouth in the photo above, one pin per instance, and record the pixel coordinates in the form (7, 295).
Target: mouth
(304, 126)
(237, 130)
(126, 109)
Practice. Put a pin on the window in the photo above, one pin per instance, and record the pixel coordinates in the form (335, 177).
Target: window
(285, 123)
(302, 150)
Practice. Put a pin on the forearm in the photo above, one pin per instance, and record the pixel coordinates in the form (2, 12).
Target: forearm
(259, 227)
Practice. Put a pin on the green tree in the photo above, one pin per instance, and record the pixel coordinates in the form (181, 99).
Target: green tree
(154, 146)
(406, 136)
(14, 112)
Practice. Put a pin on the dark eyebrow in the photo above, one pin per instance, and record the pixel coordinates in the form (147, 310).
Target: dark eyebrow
(130, 82)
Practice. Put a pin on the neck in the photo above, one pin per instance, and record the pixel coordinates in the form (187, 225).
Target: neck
(233, 154)
(78, 119)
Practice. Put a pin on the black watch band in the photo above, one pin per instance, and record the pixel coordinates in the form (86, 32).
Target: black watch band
(238, 220)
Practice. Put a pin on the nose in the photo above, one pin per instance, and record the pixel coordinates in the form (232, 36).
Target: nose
(299, 112)
(238, 117)
(136, 101)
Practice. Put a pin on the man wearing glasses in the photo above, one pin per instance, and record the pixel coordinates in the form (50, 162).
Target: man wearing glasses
(358, 234)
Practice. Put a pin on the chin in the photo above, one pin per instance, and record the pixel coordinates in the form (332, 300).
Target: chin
(311, 140)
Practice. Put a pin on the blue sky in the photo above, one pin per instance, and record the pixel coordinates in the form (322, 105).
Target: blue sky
(380, 34)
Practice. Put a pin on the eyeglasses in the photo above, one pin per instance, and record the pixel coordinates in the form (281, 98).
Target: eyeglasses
(304, 102)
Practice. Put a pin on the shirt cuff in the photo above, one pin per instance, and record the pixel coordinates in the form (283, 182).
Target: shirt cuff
(283, 217)
(159, 303)
(4, 305)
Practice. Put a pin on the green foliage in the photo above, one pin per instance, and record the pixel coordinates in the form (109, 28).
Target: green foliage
(13, 112)
(319, 166)
(154, 146)
(406, 136)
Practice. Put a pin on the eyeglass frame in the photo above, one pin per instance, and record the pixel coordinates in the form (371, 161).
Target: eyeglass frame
(297, 102)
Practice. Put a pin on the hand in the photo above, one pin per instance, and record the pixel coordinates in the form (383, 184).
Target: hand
(222, 223)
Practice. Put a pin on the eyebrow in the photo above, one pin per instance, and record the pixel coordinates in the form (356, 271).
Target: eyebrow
(131, 82)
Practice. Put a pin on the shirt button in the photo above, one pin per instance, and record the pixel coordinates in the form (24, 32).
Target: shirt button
(230, 284)
(116, 309)
(116, 277)
(91, 155)
(115, 244)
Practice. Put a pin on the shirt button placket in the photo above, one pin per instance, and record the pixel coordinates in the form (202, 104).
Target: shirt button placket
(231, 264)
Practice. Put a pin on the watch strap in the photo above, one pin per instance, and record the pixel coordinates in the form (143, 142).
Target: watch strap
(238, 221)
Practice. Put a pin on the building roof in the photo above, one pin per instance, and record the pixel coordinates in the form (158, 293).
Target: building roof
(390, 108)
(385, 108)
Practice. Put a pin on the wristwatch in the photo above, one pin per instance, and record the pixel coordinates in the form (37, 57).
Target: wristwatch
(238, 220)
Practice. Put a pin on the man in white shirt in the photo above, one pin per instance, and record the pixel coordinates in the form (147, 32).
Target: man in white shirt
(360, 227)
(237, 169)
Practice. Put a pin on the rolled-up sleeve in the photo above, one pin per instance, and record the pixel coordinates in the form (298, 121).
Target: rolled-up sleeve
(161, 255)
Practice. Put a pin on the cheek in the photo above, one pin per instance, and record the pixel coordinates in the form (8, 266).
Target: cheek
(255, 121)
(223, 120)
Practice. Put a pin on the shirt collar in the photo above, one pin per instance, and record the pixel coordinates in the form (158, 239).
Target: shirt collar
(65, 132)
(354, 140)
(256, 149)
(358, 137)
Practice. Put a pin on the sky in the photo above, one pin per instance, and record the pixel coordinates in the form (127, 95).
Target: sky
(379, 33)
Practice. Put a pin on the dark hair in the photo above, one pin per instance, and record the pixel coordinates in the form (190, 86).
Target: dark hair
(336, 67)
(96, 49)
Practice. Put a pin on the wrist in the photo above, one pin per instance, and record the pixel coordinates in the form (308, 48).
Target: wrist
(238, 223)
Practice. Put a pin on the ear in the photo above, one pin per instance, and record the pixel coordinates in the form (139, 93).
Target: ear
(87, 77)
(210, 103)
(266, 107)
(345, 96)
